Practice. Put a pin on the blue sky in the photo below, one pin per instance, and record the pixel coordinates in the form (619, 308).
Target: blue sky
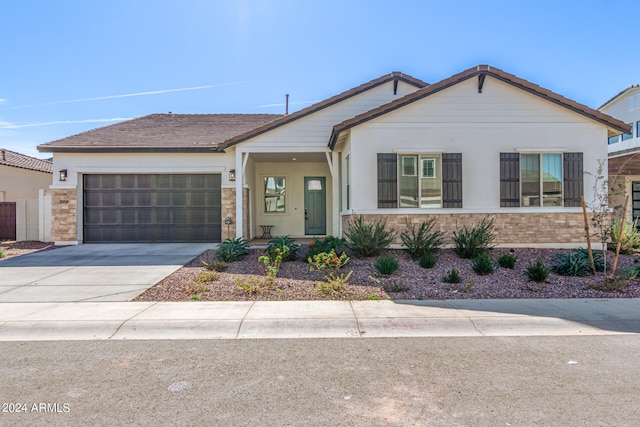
(67, 66)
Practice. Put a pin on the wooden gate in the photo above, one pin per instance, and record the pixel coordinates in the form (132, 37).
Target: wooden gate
(7, 221)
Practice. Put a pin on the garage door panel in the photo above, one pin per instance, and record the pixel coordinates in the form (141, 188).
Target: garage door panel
(152, 208)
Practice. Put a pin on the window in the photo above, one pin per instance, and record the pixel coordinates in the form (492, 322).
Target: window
(638, 129)
(423, 188)
(274, 194)
(626, 136)
(541, 179)
(347, 176)
(634, 101)
(613, 139)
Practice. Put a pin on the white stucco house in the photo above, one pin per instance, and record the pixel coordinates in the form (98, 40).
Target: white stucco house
(482, 142)
(22, 179)
(624, 150)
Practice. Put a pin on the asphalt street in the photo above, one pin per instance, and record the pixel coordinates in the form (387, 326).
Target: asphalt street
(463, 381)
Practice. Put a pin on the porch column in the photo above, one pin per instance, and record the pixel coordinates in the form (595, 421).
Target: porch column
(332, 158)
(239, 182)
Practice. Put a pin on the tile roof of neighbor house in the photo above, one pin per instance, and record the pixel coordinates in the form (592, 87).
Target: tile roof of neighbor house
(511, 79)
(619, 94)
(11, 158)
(206, 132)
(162, 132)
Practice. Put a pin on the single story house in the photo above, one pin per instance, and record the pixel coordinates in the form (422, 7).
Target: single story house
(22, 178)
(480, 143)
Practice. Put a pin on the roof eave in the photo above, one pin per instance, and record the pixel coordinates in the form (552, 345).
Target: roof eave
(81, 149)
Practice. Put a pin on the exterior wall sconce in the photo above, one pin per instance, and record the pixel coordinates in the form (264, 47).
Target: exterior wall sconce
(63, 174)
(232, 175)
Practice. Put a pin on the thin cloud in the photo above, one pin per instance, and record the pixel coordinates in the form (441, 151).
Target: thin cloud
(2, 100)
(128, 95)
(284, 103)
(5, 125)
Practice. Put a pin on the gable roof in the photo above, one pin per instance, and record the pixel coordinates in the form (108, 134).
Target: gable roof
(480, 70)
(22, 161)
(394, 76)
(162, 133)
(619, 95)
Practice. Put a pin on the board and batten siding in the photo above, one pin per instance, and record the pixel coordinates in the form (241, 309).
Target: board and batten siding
(480, 126)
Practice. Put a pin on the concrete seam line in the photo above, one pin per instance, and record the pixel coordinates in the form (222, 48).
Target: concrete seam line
(123, 323)
(355, 316)
(243, 319)
(469, 318)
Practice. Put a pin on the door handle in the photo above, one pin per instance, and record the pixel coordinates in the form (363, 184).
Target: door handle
(306, 217)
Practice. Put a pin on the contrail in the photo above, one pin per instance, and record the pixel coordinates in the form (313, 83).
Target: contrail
(283, 104)
(128, 95)
(62, 122)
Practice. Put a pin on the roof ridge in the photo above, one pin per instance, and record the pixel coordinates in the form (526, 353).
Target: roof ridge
(24, 161)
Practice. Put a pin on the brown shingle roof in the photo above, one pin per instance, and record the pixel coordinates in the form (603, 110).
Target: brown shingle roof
(470, 73)
(162, 132)
(11, 158)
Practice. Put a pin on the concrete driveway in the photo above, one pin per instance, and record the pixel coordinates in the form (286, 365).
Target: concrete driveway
(92, 272)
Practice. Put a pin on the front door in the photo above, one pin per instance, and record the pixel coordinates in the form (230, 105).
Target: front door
(315, 208)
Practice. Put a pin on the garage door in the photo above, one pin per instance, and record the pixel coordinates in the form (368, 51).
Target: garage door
(152, 208)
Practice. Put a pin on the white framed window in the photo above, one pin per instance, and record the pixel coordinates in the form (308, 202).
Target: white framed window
(409, 165)
(428, 168)
(423, 188)
(274, 194)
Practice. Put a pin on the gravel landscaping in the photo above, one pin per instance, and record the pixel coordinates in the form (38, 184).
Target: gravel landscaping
(12, 249)
(295, 281)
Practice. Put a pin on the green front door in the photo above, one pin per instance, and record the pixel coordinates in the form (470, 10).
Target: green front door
(315, 208)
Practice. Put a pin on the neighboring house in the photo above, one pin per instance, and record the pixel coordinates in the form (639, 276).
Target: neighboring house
(480, 143)
(624, 151)
(21, 179)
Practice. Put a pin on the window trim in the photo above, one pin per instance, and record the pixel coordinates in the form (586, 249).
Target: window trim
(410, 156)
(419, 158)
(264, 195)
(433, 161)
(541, 180)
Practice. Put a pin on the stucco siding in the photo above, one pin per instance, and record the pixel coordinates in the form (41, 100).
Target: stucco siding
(18, 183)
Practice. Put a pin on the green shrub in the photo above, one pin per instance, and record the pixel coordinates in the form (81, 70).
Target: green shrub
(334, 284)
(232, 250)
(272, 261)
(577, 263)
(366, 239)
(422, 240)
(537, 271)
(253, 284)
(630, 240)
(507, 260)
(325, 245)
(470, 242)
(428, 260)
(2, 253)
(453, 276)
(207, 276)
(386, 265)
(196, 288)
(483, 264)
(282, 242)
(629, 273)
(215, 265)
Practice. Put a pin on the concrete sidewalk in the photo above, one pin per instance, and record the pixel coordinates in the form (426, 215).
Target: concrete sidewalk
(316, 319)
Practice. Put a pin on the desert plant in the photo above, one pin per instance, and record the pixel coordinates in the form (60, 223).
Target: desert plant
(598, 258)
(630, 239)
(571, 264)
(386, 265)
(609, 283)
(366, 239)
(196, 288)
(272, 262)
(253, 284)
(483, 264)
(537, 271)
(469, 242)
(428, 260)
(393, 285)
(232, 250)
(422, 240)
(507, 260)
(334, 284)
(207, 276)
(215, 265)
(282, 242)
(325, 245)
(629, 273)
(453, 276)
(2, 253)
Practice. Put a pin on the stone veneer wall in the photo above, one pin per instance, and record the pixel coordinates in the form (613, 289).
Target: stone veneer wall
(64, 215)
(510, 228)
(229, 210)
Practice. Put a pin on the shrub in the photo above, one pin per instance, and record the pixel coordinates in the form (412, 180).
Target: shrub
(232, 250)
(2, 253)
(453, 276)
(207, 276)
(629, 273)
(272, 262)
(577, 263)
(215, 265)
(507, 260)
(282, 242)
(609, 284)
(630, 239)
(393, 285)
(422, 240)
(253, 284)
(537, 271)
(335, 284)
(386, 265)
(196, 288)
(366, 239)
(325, 245)
(470, 242)
(428, 260)
(483, 264)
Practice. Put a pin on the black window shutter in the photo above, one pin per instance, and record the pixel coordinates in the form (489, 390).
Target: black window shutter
(573, 178)
(509, 180)
(452, 180)
(387, 180)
